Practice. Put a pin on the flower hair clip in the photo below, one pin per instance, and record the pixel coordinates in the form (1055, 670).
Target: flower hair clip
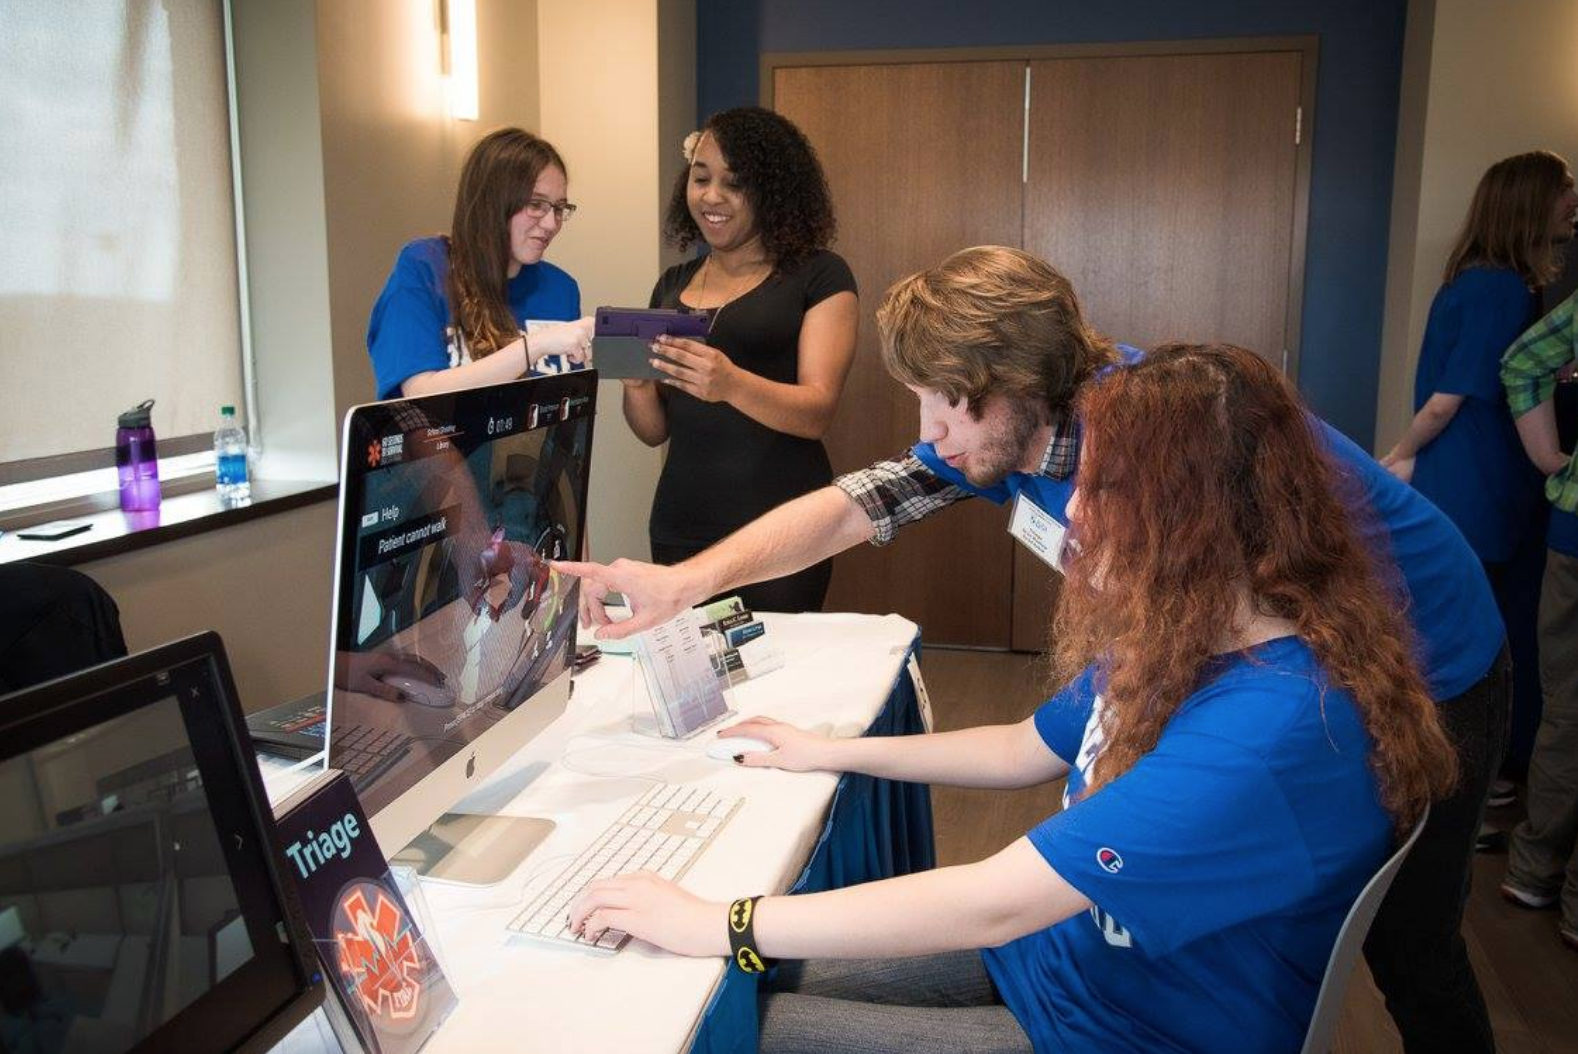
(688, 148)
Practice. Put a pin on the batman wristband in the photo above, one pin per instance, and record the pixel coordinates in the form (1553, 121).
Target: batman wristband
(742, 936)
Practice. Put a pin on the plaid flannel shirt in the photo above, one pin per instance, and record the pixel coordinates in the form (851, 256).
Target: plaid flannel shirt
(1528, 372)
(902, 491)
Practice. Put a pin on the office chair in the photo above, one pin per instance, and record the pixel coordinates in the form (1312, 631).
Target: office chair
(53, 621)
(1350, 942)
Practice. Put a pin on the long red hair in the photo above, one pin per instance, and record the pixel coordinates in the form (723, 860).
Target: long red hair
(1202, 473)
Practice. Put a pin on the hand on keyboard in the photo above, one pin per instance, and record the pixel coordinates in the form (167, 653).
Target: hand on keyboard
(653, 909)
(663, 831)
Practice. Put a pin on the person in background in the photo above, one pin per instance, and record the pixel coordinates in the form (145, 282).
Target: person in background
(1542, 860)
(481, 305)
(1244, 733)
(1461, 450)
(744, 411)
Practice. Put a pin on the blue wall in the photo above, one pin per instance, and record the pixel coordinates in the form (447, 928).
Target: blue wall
(1355, 124)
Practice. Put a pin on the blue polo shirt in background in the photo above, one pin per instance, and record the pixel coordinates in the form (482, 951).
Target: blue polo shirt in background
(1449, 600)
(1221, 866)
(1476, 471)
(405, 335)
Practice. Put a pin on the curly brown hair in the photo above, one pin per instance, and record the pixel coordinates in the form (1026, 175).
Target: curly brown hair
(1202, 474)
(778, 170)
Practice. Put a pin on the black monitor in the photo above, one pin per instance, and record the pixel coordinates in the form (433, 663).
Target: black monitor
(142, 902)
(452, 635)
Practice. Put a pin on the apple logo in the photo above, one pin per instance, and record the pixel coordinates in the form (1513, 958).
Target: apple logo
(471, 766)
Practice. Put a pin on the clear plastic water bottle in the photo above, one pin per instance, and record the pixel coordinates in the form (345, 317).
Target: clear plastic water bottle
(230, 459)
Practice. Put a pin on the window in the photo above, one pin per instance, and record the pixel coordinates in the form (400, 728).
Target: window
(118, 272)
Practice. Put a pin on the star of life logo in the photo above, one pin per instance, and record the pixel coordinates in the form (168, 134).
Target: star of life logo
(386, 451)
(378, 955)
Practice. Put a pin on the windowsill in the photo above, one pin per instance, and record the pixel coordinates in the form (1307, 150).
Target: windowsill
(179, 516)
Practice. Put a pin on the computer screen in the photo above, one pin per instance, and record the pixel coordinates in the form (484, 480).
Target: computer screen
(452, 634)
(134, 834)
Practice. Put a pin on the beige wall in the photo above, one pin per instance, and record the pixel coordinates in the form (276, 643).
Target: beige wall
(392, 153)
(605, 96)
(1479, 83)
(262, 585)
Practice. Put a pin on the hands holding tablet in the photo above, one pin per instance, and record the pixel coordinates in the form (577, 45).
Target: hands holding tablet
(694, 368)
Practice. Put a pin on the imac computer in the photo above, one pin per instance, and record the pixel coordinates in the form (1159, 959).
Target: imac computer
(143, 905)
(452, 636)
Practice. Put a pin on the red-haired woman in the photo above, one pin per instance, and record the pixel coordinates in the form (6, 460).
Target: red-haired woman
(1245, 736)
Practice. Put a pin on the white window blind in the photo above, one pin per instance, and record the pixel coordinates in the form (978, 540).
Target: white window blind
(118, 277)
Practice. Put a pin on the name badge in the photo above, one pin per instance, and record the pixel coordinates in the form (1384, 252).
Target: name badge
(1038, 531)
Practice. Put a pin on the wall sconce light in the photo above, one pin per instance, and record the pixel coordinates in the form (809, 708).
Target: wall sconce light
(457, 41)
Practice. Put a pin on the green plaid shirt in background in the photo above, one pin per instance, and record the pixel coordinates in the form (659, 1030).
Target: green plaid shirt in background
(1528, 372)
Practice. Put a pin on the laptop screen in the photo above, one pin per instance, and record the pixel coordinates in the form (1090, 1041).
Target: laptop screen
(129, 844)
(448, 614)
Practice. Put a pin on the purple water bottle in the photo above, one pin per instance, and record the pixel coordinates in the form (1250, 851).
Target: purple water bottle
(137, 460)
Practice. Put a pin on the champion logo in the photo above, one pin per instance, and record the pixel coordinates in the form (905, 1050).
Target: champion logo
(1109, 860)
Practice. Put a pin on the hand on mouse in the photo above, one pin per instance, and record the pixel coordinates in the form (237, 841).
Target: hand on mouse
(795, 749)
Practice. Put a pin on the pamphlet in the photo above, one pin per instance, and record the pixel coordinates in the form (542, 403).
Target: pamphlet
(736, 644)
(681, 681)
(391, 991)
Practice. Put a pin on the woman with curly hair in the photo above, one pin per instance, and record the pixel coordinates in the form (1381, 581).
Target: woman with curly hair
(1244, 733)
(481, 305)
(745, 410)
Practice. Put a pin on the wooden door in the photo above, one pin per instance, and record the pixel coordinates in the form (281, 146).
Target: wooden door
(1163, 186)
(923, 160)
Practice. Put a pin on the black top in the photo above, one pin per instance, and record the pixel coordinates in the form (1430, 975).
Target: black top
(723, 468)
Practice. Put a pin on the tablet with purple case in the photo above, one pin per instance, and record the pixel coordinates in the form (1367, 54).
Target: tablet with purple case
(622, 338)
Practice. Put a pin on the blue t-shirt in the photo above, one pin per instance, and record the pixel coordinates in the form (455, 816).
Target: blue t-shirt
(1475, 471)
(1450, 603)
(405, 335)
(1221, 866)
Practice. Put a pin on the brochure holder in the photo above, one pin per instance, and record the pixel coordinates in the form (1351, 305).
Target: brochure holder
(680, 680)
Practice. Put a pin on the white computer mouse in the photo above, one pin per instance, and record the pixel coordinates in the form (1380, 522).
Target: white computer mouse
(423, 693)
(721, 749)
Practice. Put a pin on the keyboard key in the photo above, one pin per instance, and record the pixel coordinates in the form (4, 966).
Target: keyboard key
(638, 841)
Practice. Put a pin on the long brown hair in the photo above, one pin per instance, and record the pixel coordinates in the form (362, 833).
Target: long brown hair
(1202, 473)
(495, 183)
(1509, 220)
(990, 320)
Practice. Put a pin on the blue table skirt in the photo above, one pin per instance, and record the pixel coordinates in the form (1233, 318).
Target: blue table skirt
(875, 829)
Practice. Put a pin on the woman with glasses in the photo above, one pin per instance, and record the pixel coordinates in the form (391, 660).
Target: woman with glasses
(745, 410)
(481, 305)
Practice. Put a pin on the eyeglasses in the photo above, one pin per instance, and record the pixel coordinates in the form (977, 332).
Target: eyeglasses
(537, 208)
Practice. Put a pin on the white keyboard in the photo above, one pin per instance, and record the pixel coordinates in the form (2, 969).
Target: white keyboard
(664, 831)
